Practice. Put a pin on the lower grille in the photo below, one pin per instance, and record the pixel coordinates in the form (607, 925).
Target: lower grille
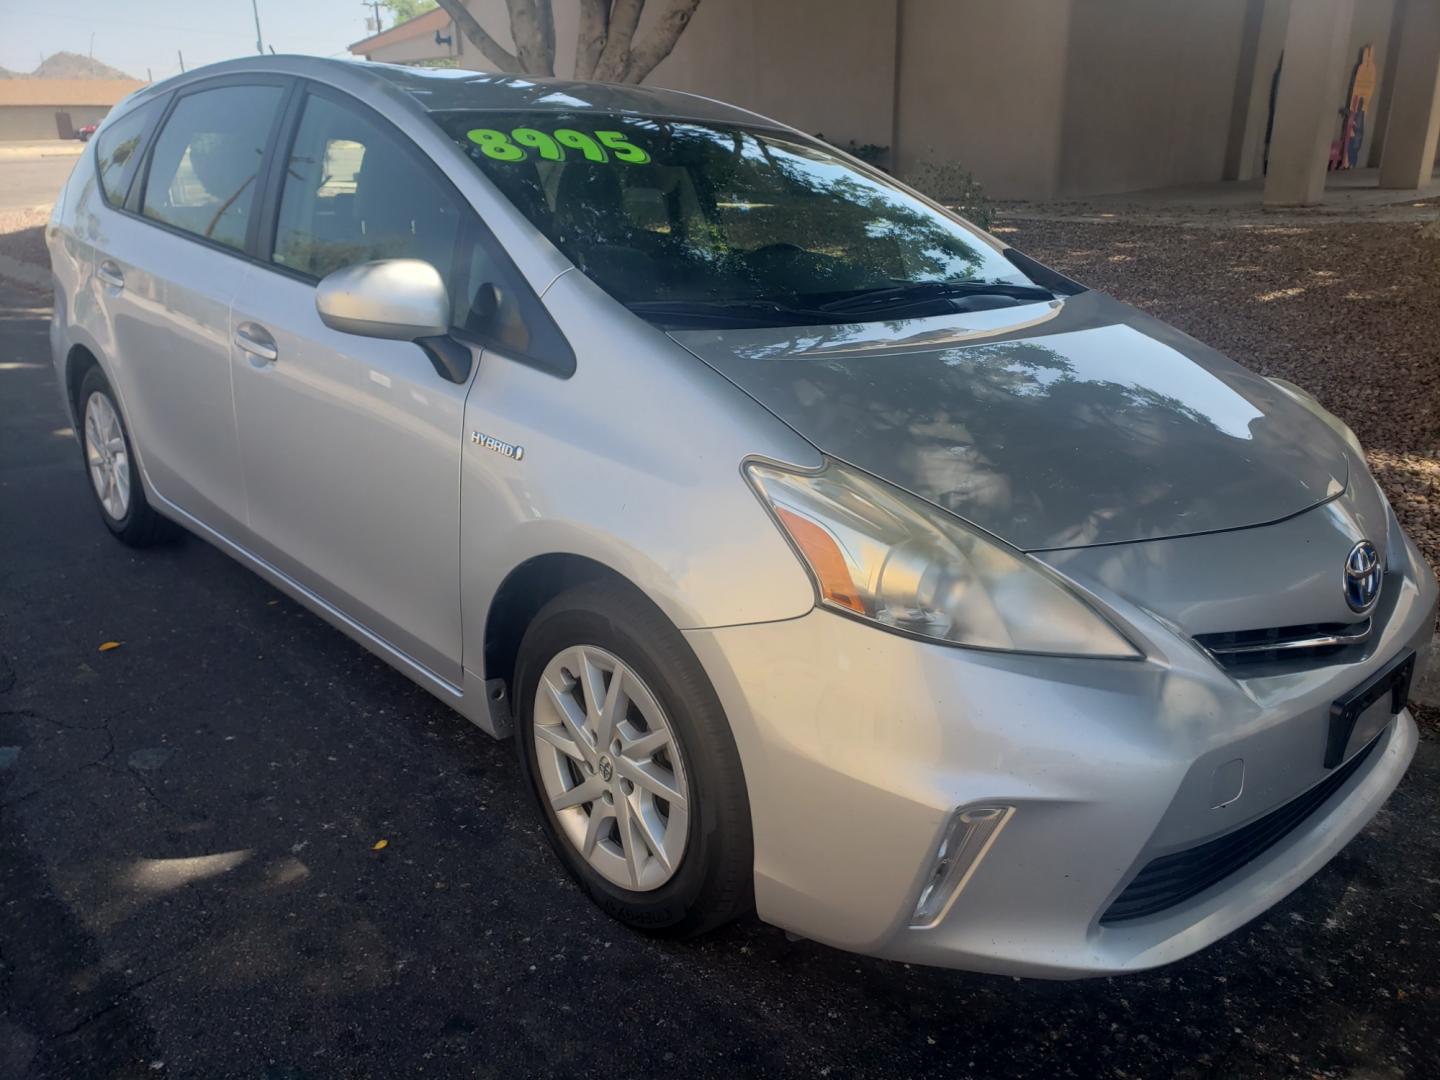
(1173, 879)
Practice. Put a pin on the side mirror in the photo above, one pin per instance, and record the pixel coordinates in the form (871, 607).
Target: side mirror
(398, 300)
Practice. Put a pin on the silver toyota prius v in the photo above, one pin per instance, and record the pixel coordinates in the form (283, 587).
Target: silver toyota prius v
(827, 557)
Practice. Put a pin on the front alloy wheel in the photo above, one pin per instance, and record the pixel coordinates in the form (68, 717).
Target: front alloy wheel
(633, 766)
(611, 767)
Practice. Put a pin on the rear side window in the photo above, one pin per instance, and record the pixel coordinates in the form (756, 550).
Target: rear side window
(204, 170)
(355, 191)
(117, 153)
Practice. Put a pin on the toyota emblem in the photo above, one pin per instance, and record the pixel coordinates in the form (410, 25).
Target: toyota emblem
(1362, 577)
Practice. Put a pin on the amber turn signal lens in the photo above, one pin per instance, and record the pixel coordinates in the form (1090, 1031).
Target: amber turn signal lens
(825, 558)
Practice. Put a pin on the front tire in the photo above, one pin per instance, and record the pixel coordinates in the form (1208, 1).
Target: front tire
(110, 465)
(623, 742)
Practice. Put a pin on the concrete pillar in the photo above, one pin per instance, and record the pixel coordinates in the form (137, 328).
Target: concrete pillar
(1245, 73)
(1414, 123)
(1317, 46)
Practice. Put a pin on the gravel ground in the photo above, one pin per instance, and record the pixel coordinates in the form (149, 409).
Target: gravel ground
(1351, 312)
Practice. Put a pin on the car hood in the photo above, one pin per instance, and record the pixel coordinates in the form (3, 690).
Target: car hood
(1064, 424)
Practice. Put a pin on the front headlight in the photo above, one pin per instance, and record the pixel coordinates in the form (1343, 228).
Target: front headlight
(888, 557)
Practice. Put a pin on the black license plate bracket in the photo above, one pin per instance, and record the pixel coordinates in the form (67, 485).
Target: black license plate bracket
(1393, 680)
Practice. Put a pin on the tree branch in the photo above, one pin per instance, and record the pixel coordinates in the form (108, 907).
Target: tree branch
(547, 28)
(615, 57)
(590, 39)
(532, 24)
(658, 43)
(471, 28)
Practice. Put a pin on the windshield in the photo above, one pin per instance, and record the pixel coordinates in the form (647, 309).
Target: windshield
(680, 215)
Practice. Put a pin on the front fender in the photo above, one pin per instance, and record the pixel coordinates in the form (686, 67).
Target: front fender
(633, 462)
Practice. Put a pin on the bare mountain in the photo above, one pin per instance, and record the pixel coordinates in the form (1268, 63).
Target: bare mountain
(69, 65)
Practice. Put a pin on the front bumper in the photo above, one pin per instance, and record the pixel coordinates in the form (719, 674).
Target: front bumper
(858, 746)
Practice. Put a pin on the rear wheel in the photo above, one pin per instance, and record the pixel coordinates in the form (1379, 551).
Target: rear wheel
(110, 464)
(625, 747)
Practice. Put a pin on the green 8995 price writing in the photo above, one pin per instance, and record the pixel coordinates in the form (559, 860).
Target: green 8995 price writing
(516, 145)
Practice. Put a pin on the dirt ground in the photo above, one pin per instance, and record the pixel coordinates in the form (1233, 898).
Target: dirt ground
(22, 235)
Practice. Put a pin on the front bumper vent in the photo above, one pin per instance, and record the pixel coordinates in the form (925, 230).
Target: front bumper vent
(1173, 879)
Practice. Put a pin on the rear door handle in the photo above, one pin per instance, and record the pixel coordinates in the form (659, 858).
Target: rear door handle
(109, 273)
(254, 339)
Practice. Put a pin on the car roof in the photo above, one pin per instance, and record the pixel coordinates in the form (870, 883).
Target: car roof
(446, 89)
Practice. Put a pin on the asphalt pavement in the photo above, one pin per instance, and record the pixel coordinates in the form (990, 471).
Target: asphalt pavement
(30, 175)
(193, 881)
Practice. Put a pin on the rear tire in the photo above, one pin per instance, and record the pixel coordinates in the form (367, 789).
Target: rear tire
(110, 467)
(673, 739)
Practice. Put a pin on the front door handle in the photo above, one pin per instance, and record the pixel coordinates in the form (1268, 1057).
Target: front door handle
(109, 273)
(254, 339)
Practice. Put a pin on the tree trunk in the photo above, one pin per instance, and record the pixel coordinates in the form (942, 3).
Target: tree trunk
(605, 47)
(488, 46)
(658, 43)
(590, 40)
(615, 57)
(532, 24)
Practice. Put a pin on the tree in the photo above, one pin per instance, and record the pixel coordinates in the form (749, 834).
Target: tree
(606, 47)
(405, 10)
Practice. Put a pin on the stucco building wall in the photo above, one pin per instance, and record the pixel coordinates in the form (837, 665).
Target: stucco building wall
(821, 65)
(1148, 90)
(1038, 98)
(38, 121)
(982, 83)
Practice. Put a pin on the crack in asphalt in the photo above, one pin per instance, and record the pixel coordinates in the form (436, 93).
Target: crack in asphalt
(154, 795)
(101, 762)
(114, 1003)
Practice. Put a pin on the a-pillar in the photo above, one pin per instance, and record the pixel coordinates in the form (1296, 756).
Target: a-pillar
(1410, 135)
(1317, 40)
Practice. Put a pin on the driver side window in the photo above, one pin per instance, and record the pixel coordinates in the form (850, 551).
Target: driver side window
(355, 190)
(353, 193)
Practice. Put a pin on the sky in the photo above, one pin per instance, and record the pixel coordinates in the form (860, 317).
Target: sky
(140, 35)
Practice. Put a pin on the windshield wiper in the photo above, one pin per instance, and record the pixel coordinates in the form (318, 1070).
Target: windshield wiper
(920, 292)
(732, 312)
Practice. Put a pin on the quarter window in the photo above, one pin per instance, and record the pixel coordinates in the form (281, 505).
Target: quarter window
(204, 171)
(117, 152)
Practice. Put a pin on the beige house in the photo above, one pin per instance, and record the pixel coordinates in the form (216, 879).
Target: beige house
(1054, 98)
(56, 108)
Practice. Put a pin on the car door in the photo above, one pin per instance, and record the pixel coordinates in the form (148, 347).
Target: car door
(166, 266)
(351, 445)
